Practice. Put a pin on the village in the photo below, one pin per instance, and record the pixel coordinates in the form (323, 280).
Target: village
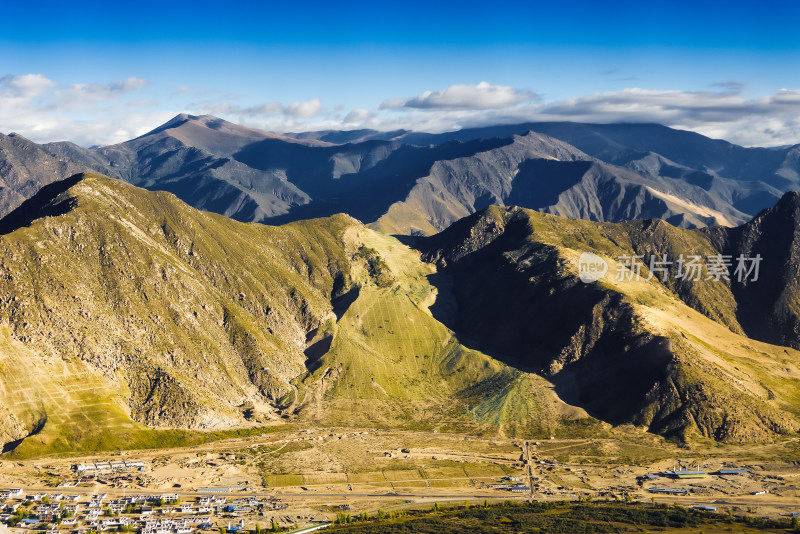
(303, 479)
(240, 508)
(147, 514)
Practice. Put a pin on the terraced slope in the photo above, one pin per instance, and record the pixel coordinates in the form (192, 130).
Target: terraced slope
(391, 362)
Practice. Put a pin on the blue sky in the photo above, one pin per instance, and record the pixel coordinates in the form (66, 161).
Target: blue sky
(100, 73)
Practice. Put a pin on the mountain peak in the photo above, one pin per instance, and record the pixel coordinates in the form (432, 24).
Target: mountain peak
(205, 120)
(18, 137)
(179, 120)
(788, 207)
(216, 135)
(790, 198)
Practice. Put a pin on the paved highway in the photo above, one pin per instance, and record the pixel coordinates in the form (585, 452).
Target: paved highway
(788, 504)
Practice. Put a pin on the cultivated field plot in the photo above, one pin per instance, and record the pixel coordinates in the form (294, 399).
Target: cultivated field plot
(410, 484)
(446, 475)
(484, 470)
(460, 483)
(406, 474)
(283, 480)
(325, 478)
(364, 478)
(434, 473)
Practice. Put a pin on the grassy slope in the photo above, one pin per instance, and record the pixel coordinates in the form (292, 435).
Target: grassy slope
(156, 313)
(181, 314)
(391, 362)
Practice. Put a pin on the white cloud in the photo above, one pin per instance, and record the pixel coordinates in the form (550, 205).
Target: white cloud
(25, 86)
(308, 108)
(79, 96)
(357, 115)
(215, 107)
(477, 96)
(769, 120)
(92, 113)
(305, 109)
(104, 113)
(725, 113)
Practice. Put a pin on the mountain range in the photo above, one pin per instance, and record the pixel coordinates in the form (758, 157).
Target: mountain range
(126, 311)
(448, 294)
(408, 183)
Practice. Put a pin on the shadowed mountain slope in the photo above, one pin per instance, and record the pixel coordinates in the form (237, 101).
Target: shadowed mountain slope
(768, 309)
(746, 179)
(413, 183)
(25, 167)
(626, 351)
(542, 173)
(626, 143)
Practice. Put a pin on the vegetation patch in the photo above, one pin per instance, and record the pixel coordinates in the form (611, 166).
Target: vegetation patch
(549, 517)
(378, 270)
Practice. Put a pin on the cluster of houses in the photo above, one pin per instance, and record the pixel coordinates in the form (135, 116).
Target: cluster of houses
(685, 474)
(512, 484)
(107, 467)
(149, 514)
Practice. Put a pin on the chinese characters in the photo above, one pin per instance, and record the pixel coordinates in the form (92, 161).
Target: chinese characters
(691, 267)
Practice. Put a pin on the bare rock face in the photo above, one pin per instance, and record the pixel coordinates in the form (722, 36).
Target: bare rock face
(11, 428)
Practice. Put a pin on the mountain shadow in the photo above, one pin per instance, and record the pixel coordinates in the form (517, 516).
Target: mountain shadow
(46, 203)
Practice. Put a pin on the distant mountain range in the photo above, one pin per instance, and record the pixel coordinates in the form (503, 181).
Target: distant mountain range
(416, 183)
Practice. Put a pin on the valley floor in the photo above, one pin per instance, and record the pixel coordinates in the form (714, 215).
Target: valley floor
(319, 473)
